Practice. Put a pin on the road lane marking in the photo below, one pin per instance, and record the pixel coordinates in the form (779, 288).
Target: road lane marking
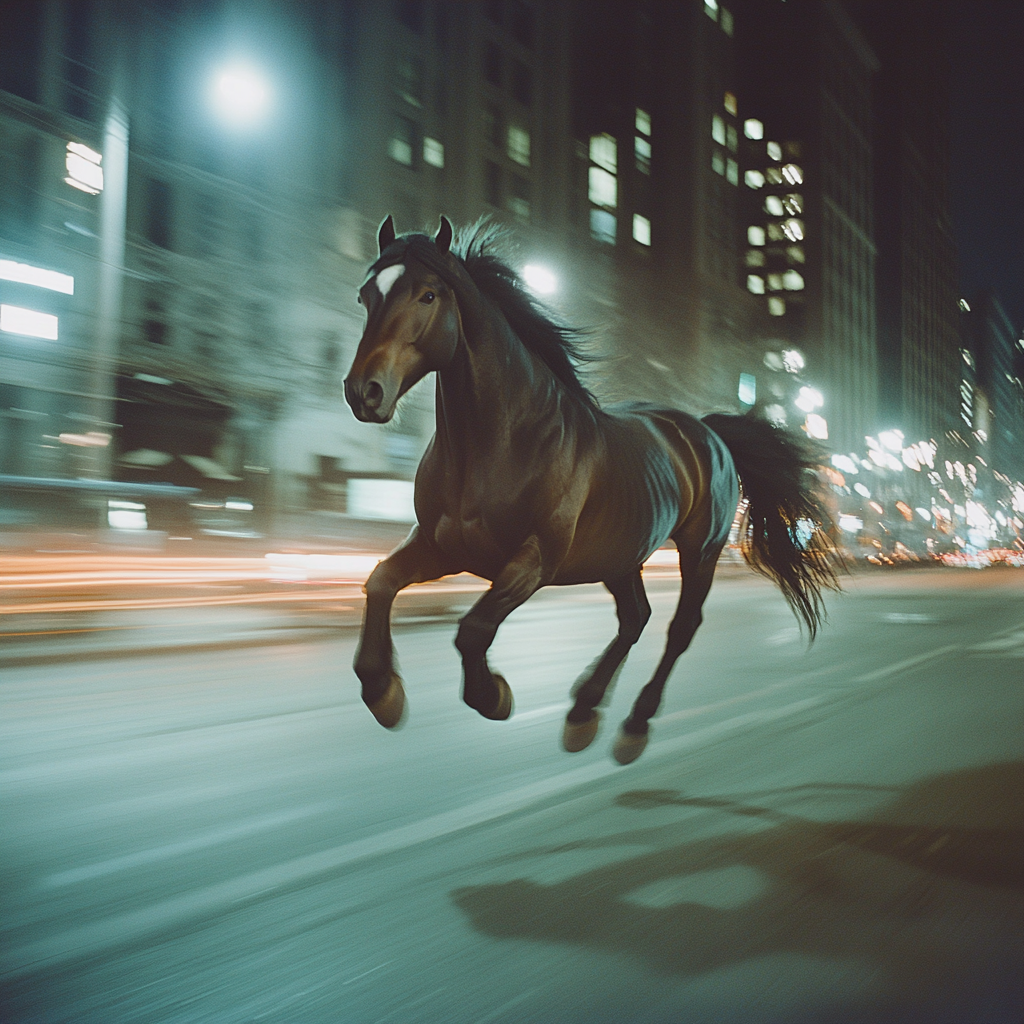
(200, 842)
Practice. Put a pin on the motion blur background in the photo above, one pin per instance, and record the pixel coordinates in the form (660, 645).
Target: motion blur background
(749, 203)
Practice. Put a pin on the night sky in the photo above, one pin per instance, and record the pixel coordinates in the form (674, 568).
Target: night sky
(987, 143)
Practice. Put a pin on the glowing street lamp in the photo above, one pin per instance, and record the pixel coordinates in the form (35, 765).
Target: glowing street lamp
(241, 95)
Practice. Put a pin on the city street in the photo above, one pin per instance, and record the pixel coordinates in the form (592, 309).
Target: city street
(214, 829)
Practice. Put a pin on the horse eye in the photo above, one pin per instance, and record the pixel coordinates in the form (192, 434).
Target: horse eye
(428, 298)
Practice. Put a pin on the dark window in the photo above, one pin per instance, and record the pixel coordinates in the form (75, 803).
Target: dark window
(492, 182)
(410, 80)
(494, 129)
(82, 82)
(410, 14)
(154, 329)
(492, 63)
(20, 49)
(522, 84)
(521, 17)
(158, 214)
(18, 196)
(492, 8)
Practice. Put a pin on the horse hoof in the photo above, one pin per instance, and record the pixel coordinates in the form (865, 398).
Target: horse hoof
(503, 709)
(628, 747)
(389, 709)
(577, 736)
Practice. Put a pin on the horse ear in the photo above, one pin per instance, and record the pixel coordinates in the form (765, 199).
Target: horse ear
(386, 234)
(443, 238)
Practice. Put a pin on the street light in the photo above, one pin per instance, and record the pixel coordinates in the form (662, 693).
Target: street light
(240, 94)
(540, 279)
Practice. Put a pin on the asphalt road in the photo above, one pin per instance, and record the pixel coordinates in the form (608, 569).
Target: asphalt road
(833, 834)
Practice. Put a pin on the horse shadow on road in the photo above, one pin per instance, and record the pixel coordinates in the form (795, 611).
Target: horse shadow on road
(928, 891)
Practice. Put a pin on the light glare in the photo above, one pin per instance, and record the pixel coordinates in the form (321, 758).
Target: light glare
(241, 94)
(29, 322)
(25, 273)
(539, 279)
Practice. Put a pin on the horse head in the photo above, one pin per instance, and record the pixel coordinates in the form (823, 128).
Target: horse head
(412, 320)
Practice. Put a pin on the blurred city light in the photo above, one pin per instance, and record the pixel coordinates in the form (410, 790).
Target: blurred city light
(29, 322)
(891, 439)
(241, 95)
(540, 279)
(809, 399)
(25, 273)
(816, 426)
(792, 360)
(83, 167)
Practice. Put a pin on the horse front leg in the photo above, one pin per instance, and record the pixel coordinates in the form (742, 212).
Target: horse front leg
(416, 561)
(483, 690)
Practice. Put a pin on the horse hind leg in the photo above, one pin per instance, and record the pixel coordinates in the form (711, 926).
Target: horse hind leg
(634, 611)
(696, 582)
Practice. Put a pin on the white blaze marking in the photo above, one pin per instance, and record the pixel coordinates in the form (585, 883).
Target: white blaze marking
(387, 277)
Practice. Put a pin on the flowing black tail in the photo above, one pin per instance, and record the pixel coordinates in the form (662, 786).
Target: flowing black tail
(774, 468)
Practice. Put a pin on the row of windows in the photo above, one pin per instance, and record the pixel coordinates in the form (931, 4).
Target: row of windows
(602, 182)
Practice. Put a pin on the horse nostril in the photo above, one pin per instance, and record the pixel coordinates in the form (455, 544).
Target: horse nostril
(373, 395)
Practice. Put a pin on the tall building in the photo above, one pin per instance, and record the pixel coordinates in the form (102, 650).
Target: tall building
(808, 168)
(993, 394)
(916, 269)
(658, 114)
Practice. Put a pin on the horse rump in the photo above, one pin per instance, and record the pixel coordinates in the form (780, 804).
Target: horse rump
(785, 527)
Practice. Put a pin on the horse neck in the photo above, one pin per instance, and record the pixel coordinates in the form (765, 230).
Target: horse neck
(492, 385)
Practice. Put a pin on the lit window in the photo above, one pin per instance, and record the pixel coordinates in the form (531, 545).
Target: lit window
(753, 129)
(519, 198)
(83, 167)
(602, 152)
(433, 152)
(774, 151)
(753, 179)
(641, 229)
(773, 176)
(732, 171)
(727, 22)
(602, 226)
(643, 122)
(711, 9)
(755, 284)
(25, 273)
(794, 203)
(755, 235)
(718, 162)
(730, 103)
(718, 129)
(793, 229)
(776, 306)
(731, 138)
(775, 232)
(642, 152)
(775, 282)
(400, 145)
(603, 187)
(796, 253)
(792, 281)
(16, 320)
(519, 145)
(755, 258)
(773, 205)
(792, 174)
(747, 392)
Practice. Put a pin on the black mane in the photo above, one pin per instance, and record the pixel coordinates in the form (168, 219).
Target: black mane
(532, 323)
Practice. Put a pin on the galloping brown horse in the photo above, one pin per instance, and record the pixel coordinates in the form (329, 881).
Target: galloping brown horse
(528, 483)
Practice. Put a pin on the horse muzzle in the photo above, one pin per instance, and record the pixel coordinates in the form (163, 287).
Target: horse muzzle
(368, 401)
